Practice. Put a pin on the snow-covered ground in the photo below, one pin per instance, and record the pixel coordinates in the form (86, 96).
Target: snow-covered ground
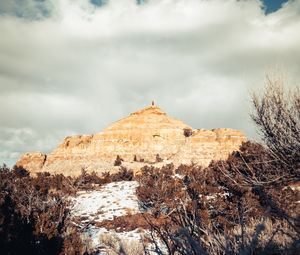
(111, 200)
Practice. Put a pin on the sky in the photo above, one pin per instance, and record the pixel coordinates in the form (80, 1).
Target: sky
(272, 5)
(75, 66)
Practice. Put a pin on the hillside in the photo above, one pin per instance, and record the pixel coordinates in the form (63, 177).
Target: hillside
(147, 136)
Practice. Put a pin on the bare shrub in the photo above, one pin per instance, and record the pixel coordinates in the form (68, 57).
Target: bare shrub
(254, 174)
(87, 180)
(275, 235)
(158, 158)
(124, 174)
(61, 184)
(199, 213)
(20, 171)
(277, 115)
(33, 220)
(186, 233)
(158, 188)
(184, 169)
(187, 132)
(23, 216)
(118, 161)
(126, 222)
(117, 246)
(73, 243)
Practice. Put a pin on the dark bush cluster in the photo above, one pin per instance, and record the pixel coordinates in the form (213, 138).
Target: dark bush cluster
(158, 188)
(124, 174)
(33, 220)
(34, 210)
(158, 158)
(215, 203)
(187, 132)
(118, 161)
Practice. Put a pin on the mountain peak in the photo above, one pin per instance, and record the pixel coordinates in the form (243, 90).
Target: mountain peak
(153, 109)
(137, 139)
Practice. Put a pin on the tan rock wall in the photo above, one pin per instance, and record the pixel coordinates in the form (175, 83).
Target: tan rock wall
(145, 134)
(33, 161)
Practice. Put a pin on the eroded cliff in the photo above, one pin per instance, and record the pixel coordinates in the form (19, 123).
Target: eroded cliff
(138, 139)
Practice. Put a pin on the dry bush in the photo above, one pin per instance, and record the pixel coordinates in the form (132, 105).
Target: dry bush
(187, 234)
(184, 169)
(127, 222)
(66, 185)
(254, 173)
(33, 220)
(200, 212)
(56, 184)
(19, 171)
(277, 115)
(87, 181)
(124, 174)
(73, 243)
(34, 215)
(158, 188)
(118, 161)
(112, 242)
(275, 235)
(158, 158)
(62, 184)
(117, 246)
(26, 225)
(187, 132)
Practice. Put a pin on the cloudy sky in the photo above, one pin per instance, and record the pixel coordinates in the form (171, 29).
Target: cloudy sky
(74, 66)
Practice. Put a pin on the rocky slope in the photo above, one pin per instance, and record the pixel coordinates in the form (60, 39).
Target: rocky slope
(139, 139)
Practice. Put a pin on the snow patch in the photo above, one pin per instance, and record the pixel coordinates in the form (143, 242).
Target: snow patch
(112, 200)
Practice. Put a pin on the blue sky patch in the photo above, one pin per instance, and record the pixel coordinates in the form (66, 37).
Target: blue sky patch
(273, 5)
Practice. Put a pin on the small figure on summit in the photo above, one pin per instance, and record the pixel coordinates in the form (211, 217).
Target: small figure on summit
(152, 102)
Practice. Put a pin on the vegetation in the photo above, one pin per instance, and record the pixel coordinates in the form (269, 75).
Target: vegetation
(34, 214)
(187, 132)
(277, 114)
(243, 205)
(33, 220)
(118, 161)
(237, 206)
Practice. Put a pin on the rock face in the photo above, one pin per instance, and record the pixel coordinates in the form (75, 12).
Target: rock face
(141, 138)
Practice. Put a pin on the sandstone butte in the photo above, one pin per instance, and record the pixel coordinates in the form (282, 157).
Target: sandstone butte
(137, 139)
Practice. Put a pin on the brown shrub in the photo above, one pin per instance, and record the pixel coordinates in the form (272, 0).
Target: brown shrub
(212, 202)
(33, 220)
(115, 246)
(126, 223)
(124, 174)
(277, 115)
(118, 161)
(158, 158)
(187, 132)
(87, 181)
(158, 188)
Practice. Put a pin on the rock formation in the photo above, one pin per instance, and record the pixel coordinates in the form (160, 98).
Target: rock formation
(141, 138)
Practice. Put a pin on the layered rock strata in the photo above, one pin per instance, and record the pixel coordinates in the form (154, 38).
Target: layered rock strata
(141, 138)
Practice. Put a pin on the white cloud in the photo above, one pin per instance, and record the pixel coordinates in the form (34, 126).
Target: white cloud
(76, 68)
